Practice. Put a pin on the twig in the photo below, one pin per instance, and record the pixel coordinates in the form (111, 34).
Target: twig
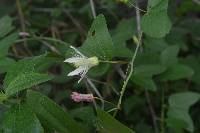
(97, 81)
(113, 109)
(21, 16)
(42, 38)
(94, 102)
(15, 56)
(106, 84)
(138, 18)
(196, 1)
(153, 115)
(93, 8)
(129, 76)
(96, 91)
(162, 120)
(14, 50)
(120, 71)
(23, 26)
(54, 33)
(76, 23)
(52, 48)
(112, 13)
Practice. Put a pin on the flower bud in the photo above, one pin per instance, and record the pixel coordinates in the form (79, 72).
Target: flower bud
(78, 97)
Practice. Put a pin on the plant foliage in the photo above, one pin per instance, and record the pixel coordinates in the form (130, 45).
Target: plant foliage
(139, 62)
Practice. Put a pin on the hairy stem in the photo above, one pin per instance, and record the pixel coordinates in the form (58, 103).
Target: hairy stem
(129, 76)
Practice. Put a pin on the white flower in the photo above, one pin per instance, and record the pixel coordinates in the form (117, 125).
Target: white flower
(82, 63)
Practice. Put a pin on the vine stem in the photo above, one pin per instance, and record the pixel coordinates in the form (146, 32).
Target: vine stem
(136, 7)
(97, 98)
(129, 75)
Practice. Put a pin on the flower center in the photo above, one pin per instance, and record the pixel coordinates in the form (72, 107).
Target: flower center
(90, 62)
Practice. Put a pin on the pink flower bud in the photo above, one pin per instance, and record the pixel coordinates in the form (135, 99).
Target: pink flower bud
(77, 97)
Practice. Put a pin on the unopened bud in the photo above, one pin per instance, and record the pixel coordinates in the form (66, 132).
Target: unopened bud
(78, 97)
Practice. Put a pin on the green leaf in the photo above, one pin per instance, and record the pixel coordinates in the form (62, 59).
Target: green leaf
(45, 61)
(144, 82)
(86, 115)
(176, 125)
(51, 115)
(169, 55)
(179, 105)
(194, 63)
(100, 70)
(192, 26)
(5, 64)
(3, 97)
(154, 44)
(61, 77)
(178, 36)
(143, 74)
(25, 81)
(157, 5)
(129, 106)
(20, 119)
(6, 42)
(27, 65)
(148, 70)
(153, 58)
(120, 35)
(188, 6)
(21, 67)
(176, 72)
(183, 117)
(108, 124)
(99, 42)
(156, 22)
(183, 100)
(5, 26)
(153, 3)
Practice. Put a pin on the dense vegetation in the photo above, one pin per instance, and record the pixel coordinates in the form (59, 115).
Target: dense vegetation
(108, 66)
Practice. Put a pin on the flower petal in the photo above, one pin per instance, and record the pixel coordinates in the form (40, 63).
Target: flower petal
(77, 51)
(73, 59)
(77, 71)
(83, 74)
